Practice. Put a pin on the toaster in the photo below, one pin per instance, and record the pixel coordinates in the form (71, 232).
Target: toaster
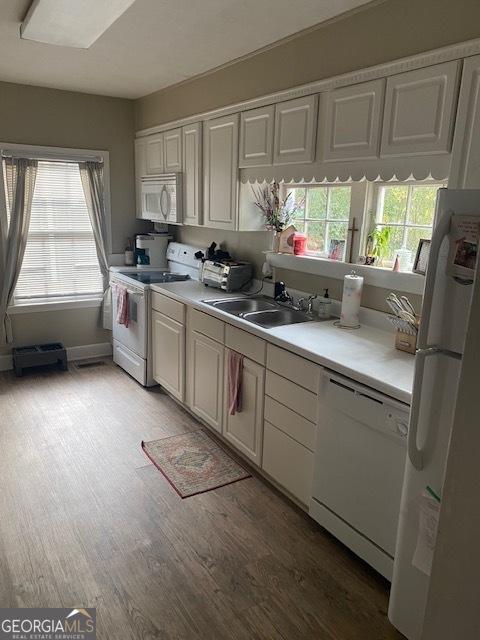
(228, 276)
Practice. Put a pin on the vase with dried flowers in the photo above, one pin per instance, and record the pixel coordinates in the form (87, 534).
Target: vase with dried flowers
(277, 213)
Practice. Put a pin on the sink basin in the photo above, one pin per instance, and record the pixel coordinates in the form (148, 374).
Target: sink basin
(239, 306)
(276, 317)
(259, 310)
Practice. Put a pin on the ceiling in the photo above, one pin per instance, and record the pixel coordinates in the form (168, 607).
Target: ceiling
(156, 43)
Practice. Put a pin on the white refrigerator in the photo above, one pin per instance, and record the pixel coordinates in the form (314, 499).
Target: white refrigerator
(438, 367)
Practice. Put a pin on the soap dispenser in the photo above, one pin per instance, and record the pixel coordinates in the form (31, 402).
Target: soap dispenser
(325, 306)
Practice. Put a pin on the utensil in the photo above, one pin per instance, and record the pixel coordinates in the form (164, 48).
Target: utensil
(408, 306)
(392, 298)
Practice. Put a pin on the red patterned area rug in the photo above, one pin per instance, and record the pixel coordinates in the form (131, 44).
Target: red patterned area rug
(193, 463)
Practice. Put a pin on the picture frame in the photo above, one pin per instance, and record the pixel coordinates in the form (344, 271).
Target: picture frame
(421, 259)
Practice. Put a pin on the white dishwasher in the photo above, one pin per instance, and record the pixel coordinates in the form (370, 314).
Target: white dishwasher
(359, 466)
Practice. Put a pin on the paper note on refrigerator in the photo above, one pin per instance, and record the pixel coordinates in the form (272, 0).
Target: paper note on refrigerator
(429, 511)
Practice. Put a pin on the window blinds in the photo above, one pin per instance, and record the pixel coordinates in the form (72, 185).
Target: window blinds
(60, 257)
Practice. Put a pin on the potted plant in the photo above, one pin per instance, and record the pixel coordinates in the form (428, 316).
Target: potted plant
(277, 213)
(378, 242)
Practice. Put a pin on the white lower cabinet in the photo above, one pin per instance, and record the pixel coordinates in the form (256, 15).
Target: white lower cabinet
(168, 339)
(288, 462)
(205, 378)
(245, 429)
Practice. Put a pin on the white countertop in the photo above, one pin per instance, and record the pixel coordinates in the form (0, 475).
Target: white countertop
(366, 355)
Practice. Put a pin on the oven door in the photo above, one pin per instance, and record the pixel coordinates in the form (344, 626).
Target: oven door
(135, 335)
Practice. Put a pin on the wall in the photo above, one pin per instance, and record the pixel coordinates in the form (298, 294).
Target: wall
(375, 34)
(39, 116)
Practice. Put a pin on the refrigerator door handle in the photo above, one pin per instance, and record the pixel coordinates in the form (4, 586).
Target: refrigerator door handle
(414, 452)
(441, 230)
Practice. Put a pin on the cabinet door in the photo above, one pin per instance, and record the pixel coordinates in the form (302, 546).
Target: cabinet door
(256, 137)
(221, 172)
(154, 154)
(245, 429)
(465, 169)
(192, 173)
(288, 462)
(140, 170)
(205, 379)
(172, 143)
(420, 110)
(168, 340)
(295, 129)
(350, 121)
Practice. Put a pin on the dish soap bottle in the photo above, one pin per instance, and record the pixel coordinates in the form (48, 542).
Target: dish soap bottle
(324, 306)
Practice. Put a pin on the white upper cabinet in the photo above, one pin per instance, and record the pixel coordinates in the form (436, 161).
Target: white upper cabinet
(154, 154)
(295, 128)
(173, 150)
(420, 110)
(140, 170)
(220, 147)
(350, 122)
(465, 169)
(192, 173)
(256, 137)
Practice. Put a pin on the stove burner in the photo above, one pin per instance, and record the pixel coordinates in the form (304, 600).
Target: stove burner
(152, 277)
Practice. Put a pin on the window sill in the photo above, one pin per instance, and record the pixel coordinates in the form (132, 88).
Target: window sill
(54, 304)
(373, 276)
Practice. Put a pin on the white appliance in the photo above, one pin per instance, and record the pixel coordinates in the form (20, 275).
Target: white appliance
(132, 345)
(162, 199)
(155, 247)
(438, 365)
(359, 464)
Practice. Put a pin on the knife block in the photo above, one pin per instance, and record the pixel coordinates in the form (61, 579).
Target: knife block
(406, 341)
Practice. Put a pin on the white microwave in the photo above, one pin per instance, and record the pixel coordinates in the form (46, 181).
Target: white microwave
(162, 198)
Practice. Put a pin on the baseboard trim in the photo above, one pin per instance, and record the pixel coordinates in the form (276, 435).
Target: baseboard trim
(101, 349)
(81, 352)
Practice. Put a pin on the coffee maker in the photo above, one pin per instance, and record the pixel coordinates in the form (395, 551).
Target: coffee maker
(151, 250)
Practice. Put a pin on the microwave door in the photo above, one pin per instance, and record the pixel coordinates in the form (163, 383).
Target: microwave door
(153, 206)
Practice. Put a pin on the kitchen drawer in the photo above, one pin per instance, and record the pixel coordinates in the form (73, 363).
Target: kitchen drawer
(294, 425)
(169, 307)
(292, 396)
(245, 343)
(287, 462)
(209, 326)
(295, 368)
(129, 361)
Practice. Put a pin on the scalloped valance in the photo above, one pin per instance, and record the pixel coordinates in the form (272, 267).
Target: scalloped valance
(401, 168)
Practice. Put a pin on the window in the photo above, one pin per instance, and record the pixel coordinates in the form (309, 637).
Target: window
(407, 210)
(323, 213)
(60, 256)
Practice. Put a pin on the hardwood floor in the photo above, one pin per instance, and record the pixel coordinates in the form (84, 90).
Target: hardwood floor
(86, 520)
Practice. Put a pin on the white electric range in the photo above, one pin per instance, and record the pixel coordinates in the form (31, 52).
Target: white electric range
(132, 345)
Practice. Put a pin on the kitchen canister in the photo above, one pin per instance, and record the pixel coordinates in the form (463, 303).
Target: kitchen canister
(352, 296)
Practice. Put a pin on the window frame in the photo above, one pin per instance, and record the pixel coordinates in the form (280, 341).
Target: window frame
(68, 155)
(376, 202)
(358, 198)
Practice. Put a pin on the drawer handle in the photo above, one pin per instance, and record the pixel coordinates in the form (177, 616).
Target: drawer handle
(343, 386)
(364, 395)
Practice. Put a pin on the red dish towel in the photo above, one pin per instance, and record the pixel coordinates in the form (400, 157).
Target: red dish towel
(123, 315)
(235, 374)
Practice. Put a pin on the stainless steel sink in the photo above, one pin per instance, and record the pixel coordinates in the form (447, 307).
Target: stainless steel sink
(276, 317)
(261, 311)
(236, 306)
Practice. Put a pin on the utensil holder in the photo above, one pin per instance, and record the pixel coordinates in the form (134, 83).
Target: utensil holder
(406, 341)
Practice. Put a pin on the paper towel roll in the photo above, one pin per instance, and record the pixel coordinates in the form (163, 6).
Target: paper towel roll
(352, 295)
